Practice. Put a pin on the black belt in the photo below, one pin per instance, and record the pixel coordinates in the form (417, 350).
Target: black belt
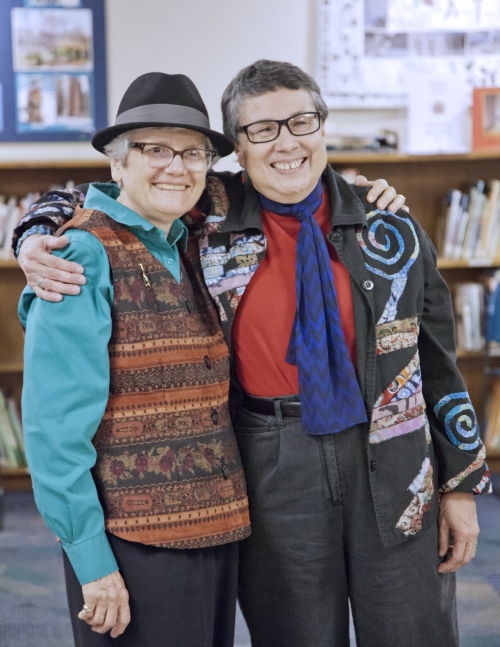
(266, 407)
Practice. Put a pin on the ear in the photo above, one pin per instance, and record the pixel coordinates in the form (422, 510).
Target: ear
(240, 155)
(116, 169)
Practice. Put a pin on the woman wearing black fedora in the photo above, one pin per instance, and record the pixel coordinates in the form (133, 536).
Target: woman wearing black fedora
(136, 467)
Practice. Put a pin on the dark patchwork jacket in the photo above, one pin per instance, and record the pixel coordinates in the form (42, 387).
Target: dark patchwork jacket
(423, 437)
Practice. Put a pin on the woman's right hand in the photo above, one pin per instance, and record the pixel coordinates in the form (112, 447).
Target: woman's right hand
(59, 276)
(106, 601)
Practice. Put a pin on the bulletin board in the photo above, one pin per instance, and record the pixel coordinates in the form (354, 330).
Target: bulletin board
(52, 70)
(368, 49)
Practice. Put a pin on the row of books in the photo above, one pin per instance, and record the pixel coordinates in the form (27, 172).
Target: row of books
(12, 453)
(469, 228)
(11, 212)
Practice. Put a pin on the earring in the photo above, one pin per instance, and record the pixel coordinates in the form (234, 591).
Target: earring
(120, 184)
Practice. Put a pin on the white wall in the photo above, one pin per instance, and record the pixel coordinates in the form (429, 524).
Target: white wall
(209, 40)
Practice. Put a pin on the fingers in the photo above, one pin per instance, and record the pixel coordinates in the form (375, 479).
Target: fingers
(123, 620)
(106, 605)
(361, 180)
(456, 560)
(55, 274)
(398, 203)
(444, 538)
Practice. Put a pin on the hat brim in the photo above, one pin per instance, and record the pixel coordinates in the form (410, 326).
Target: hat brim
(222, 144)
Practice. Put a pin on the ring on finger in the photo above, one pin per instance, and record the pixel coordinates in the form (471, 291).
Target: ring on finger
(40, 283)
(87, 609)
(98, 617)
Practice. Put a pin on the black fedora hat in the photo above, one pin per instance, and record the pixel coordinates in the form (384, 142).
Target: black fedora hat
(157, 100)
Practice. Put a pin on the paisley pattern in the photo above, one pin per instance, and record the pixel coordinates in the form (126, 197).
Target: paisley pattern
(396, 335)
(478, 462)
(389, 252)
(406, 383)
(422, 487)
(457, 414)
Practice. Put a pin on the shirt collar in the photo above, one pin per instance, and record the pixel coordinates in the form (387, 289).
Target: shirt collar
(103, 197)
(346, 207)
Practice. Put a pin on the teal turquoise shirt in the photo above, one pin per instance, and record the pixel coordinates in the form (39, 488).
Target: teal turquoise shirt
(66, 384)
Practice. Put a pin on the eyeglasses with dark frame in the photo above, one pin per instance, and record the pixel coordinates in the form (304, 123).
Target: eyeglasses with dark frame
(161, 156)
(261, 132)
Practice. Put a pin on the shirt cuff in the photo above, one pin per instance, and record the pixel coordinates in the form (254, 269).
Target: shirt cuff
(92, 559)
(45, 230)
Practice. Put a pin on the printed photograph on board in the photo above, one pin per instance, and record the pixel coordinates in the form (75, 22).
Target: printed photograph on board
(54, 103)
(53, 3)
(52, 40)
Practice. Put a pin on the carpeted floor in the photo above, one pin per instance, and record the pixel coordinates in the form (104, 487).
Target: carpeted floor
(33, 610)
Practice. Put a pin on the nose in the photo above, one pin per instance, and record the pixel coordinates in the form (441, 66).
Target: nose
(176, 166)
(286, 141)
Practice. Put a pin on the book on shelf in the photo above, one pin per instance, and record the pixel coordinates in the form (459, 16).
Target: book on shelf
(469, 228)
(12, 452)
(12, 211)
(469, 306)
(492, 417)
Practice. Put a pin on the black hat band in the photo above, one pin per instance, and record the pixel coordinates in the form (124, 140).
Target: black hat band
(164, 113)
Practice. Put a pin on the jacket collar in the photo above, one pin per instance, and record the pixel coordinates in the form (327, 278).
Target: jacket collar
(346, 208)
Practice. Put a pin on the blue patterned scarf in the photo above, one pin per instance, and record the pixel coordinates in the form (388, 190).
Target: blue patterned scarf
(330, 396)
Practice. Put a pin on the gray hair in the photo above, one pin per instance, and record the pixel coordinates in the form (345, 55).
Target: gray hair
(259, 78)
(118, 147)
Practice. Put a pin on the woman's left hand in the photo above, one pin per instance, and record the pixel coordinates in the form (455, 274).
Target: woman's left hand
(386, 195)
(106, 605)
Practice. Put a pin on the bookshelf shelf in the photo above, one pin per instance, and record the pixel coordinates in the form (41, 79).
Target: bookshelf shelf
(446, 264)
(15, 479)
(391, 157)
(11, 367)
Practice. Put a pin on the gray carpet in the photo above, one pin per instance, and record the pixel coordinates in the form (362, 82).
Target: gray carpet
(33, 611)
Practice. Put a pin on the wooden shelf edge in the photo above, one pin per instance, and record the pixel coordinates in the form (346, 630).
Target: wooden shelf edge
(67, 163)
(353, 157)
(15, 479)
(8, 264)
(11, 367)
(446, 264)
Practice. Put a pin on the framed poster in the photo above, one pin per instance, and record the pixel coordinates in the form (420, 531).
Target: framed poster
(52, 69)
(367, 49)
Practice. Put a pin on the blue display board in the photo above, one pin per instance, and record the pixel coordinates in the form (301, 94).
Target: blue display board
(52, 70)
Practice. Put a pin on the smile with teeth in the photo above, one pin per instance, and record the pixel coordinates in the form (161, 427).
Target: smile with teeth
(287, 166)
(171, 187)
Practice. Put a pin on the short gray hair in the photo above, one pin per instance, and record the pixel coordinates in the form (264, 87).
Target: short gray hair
(118, 147)
(259, 78)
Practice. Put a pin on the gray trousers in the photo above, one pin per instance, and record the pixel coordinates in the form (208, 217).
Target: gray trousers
(315, 547)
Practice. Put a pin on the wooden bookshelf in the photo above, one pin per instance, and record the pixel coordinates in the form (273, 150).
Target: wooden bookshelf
(18, 179)
(425, 181)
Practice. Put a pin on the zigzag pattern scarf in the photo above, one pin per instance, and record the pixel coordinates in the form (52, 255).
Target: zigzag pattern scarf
(330, 396)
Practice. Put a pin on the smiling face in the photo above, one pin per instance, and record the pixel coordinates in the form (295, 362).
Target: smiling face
(287, 169)
(160, 195)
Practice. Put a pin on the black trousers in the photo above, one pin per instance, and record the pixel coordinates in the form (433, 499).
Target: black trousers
(178, 598)
(315, 548)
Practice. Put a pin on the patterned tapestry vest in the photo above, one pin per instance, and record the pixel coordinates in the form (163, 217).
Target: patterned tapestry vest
(168, 470)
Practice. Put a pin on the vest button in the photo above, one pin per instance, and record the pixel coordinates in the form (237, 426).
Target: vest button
(367, 285)
(373, 466)
(336, 236)
(189, 306)
(225, 471)
(208, 361)
(170, 261)
(214, 415)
